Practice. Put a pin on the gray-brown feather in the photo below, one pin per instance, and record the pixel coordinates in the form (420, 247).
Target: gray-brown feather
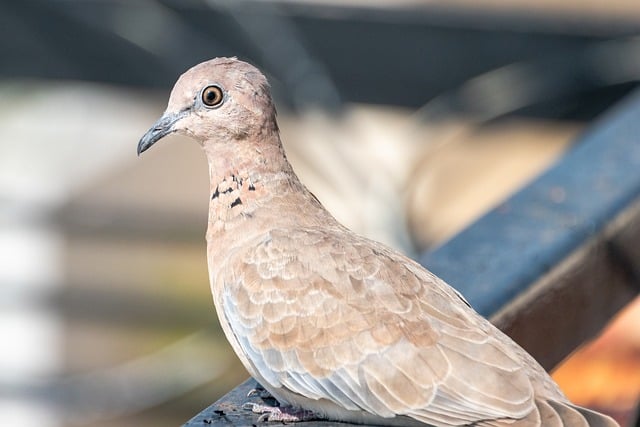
(330, 321)
(328, 314)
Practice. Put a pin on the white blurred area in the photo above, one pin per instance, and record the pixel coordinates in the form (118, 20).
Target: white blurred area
(53, 143)
(58, 142)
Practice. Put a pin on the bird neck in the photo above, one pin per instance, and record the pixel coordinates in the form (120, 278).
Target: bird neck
(238, 165)
(252, 185)
(230, 154)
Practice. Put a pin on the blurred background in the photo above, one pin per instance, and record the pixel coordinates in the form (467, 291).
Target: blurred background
(408, 119)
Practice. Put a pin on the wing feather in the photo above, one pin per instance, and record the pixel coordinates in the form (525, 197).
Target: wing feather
(358, 324)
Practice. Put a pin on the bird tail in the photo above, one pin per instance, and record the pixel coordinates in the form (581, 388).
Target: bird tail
(552, 413)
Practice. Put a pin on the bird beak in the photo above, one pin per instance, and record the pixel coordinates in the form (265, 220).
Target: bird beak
(162, 128)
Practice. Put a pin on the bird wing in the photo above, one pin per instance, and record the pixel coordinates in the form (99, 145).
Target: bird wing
(336, 316)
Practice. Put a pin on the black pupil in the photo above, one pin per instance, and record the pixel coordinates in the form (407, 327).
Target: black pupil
(212, 96)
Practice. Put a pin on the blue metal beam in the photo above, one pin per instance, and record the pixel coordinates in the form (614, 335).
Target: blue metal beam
(504, 252)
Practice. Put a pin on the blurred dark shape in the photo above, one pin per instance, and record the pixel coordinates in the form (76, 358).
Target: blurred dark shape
(324, 54)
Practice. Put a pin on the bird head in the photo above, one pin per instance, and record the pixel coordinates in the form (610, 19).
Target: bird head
(221, 100)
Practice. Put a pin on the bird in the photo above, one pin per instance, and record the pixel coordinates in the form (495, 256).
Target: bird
(333, 325)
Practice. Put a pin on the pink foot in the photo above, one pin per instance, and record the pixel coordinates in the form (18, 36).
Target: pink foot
(284, 414)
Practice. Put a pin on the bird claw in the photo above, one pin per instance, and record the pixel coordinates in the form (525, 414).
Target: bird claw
(259, 392)
(285, 414)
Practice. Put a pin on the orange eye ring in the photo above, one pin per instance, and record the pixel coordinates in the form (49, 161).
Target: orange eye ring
(212, 96)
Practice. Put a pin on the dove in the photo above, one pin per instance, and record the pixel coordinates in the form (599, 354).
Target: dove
(333, 325)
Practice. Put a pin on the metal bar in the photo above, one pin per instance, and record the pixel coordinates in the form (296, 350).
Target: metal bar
(550, 245)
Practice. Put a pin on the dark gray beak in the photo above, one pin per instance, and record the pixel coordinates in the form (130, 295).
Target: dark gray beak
(160, 129)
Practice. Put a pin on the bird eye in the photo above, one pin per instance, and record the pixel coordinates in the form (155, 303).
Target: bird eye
(212, 96)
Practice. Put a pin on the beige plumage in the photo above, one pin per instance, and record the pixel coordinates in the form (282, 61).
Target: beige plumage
(324, 319)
